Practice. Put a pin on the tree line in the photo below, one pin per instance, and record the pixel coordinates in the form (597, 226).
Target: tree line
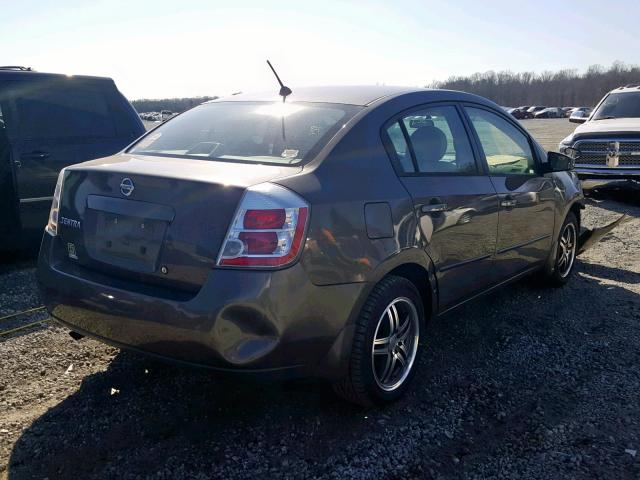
(565, 87)
(176, 105)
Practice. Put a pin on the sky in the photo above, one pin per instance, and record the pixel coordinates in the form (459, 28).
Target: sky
(181, 48)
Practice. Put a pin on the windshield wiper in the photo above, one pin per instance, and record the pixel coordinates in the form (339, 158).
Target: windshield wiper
(609, 117)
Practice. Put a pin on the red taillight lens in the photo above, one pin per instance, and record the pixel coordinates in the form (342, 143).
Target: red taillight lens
(265, 219)
(52, 226)
(259, 243)
(268, 229)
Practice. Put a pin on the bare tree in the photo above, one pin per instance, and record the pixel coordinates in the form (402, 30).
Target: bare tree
(177, 105)
(566, 87)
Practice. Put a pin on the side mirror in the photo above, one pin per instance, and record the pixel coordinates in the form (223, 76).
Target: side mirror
(573, 119)
(558, 162)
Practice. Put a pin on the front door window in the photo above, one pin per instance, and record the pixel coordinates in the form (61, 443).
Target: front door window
(506, 148)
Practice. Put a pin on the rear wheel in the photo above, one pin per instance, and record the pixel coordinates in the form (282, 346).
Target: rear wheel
(386, 346)
(565, 252)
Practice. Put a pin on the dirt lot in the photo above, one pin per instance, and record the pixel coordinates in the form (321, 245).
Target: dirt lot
(550, 131)
(525, 383)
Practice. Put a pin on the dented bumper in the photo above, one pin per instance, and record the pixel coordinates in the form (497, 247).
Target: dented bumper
(589, 237)
(255, 322)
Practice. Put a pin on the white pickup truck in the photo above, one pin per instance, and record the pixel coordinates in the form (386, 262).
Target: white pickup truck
(606, 147)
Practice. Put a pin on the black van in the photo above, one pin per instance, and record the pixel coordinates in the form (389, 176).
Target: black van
(49, 121)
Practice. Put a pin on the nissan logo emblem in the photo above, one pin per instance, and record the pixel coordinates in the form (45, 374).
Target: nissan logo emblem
(126, 187)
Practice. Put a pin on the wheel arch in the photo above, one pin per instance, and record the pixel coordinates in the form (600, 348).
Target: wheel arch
(413, 264)
(576, 208)
(416, 266)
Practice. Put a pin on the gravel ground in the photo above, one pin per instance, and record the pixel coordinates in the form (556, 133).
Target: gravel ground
(525, 383)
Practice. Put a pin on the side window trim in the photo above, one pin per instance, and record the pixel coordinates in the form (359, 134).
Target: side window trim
(478, 144)
(407, 139)
(397, 118)
(481, 161)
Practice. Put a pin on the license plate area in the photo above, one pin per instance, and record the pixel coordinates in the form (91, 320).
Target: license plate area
(128, 242)
(613, 161)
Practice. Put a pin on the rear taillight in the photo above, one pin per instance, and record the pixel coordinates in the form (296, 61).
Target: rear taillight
(268, 229)
(52, 226)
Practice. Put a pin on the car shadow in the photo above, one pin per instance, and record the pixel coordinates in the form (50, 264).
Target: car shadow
(610, 273)
(170, 405)
(17, 260)
(139, 416)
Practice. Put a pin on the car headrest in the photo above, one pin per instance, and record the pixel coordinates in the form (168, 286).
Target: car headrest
(421, 122)
(429, 144)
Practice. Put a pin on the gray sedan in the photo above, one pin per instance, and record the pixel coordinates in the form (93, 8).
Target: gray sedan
(313, 234)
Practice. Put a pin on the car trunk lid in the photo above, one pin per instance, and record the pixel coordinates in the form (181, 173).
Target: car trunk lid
(154, 219)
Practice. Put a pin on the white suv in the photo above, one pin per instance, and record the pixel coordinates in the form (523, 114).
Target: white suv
(607, 146)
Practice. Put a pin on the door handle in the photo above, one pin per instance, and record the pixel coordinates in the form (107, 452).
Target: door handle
(508, 202)
(37, 155)
(434, 208)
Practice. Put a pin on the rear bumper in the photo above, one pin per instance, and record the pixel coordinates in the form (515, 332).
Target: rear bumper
(273, 323)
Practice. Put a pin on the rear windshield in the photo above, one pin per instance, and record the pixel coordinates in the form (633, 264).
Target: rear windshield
(619, 105)
(258, 132)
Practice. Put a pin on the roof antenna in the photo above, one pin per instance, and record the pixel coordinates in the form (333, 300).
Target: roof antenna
(284, 90)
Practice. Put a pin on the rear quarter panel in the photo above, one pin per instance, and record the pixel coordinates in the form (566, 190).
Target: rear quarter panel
(355, 172)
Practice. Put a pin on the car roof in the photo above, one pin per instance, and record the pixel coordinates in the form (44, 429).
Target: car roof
(362, 95)
(350, 95)
(25, 74)
(627, 88)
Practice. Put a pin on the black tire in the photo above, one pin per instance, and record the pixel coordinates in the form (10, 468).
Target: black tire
(361, 385)
(560, 275)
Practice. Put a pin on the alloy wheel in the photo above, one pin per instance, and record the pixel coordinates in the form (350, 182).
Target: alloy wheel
(567, 249)
(395, 344)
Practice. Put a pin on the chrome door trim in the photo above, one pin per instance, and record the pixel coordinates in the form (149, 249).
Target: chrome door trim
(36, 199)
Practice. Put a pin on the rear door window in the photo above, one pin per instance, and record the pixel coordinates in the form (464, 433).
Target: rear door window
(438, 142)
(400, 147)
(53, 111)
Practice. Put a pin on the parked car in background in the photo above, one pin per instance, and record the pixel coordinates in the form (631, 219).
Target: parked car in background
(567, 111)
(586, 111)
(551, 112)
(517, 113)
(161, 116)
(535, 109)
(579, 116)
(151, 116)
(50, 121)
(606, 147)
(216, 240)
(166, 115)
(525, 111)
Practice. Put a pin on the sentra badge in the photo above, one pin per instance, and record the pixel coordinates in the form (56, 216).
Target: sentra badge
(69, 222)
